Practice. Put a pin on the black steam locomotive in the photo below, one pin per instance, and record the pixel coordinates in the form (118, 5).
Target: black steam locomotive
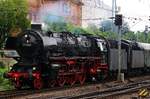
(49, 59)
(52, 58)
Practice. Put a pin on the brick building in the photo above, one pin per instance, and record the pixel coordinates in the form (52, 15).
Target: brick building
(94, 12)
(55, 10)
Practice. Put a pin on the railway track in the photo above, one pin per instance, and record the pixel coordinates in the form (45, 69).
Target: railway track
(115, 90)
(15, 93)
(111, 90)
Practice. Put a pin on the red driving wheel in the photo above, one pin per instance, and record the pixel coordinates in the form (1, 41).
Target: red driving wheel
(38, 84)
(52, 83)
(61, 81)
(72, 80)
(82, 78)
(17, 84)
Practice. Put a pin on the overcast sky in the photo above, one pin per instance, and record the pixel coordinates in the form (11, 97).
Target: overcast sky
(134, 8)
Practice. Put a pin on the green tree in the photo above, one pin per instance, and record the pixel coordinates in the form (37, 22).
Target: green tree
(78, 30)
(130, 36)
(64, 26)
(93, 29)
(141, 37)
(57, 26)
(13, 17)
(106, 26)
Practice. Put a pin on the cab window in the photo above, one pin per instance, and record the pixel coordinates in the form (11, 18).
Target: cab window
(102, 45)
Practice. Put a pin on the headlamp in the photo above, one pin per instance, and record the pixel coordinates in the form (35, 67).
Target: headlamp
(34, 68)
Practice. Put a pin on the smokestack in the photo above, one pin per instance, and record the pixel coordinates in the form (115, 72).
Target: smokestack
(36, 26)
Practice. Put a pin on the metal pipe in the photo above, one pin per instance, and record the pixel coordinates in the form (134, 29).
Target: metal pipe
(119, 53)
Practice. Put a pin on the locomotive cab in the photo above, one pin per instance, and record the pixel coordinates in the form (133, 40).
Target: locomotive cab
(103, 50)
(102, 45)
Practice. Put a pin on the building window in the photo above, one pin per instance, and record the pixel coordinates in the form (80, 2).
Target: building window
(66, 8)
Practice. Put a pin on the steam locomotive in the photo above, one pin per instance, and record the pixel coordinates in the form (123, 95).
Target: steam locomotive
(59, 58)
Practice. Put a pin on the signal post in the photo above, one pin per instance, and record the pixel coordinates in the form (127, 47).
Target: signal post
(118, 23)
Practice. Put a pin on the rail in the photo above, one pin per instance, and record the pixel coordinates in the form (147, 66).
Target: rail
(115, 90)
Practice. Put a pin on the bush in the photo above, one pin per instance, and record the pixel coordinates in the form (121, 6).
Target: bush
(2, 65)
(4, 83)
